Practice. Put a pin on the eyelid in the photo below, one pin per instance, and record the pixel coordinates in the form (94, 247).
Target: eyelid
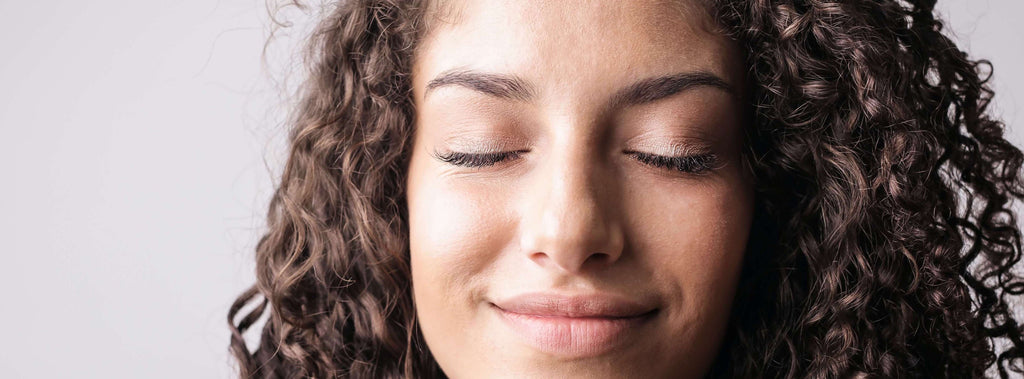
(477, 160)
(691, 164)
(482, 143)
(686, 147)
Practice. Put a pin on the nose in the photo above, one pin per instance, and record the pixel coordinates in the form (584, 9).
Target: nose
(570, 223)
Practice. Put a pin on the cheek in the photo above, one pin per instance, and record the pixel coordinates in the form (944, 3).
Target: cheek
(695, 238)
(456, 227)
(456, 233)
(701, 233)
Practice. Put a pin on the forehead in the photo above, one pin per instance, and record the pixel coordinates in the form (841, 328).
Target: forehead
(575, 41)
(652, 14)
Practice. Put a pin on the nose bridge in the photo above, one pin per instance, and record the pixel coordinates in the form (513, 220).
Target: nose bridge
(572, 221)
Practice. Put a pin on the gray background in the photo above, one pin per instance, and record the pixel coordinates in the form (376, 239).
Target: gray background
(138, 142)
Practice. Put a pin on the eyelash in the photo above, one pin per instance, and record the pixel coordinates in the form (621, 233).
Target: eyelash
(477, 160)
(694, 164)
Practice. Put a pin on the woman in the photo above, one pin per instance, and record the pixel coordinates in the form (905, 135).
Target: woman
(639, 189)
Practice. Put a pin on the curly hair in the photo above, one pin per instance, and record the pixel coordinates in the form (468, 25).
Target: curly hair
(884, 241)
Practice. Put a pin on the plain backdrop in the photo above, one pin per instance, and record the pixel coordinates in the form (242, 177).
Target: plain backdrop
(138, 145)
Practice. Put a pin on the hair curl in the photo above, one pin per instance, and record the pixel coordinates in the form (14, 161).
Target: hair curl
(884, 242)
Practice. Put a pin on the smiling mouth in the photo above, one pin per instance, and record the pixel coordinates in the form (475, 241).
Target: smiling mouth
(574, 326)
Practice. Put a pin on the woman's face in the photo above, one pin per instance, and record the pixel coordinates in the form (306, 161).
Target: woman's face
(577, 202)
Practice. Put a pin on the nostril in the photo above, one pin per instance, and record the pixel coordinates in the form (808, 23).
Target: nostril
(540, 258)
(598, 258)
(571, 262)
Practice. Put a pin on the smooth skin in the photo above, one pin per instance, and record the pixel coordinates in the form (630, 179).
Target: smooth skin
(576, 89)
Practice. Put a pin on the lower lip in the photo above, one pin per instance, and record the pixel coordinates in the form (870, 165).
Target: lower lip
(573, 337)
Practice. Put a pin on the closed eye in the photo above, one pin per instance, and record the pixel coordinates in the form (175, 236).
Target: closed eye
(477, 159)
(694, 164)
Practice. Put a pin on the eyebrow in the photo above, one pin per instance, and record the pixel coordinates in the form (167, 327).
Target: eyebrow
(657, 88)
(508, 87)
(511, 87)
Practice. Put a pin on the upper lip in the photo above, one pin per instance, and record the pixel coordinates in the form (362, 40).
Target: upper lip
(597, 305)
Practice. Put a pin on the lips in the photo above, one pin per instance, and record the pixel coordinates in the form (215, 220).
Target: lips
(574, 326)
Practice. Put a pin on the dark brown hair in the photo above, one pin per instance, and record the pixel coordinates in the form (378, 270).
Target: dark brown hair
(884, 242)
